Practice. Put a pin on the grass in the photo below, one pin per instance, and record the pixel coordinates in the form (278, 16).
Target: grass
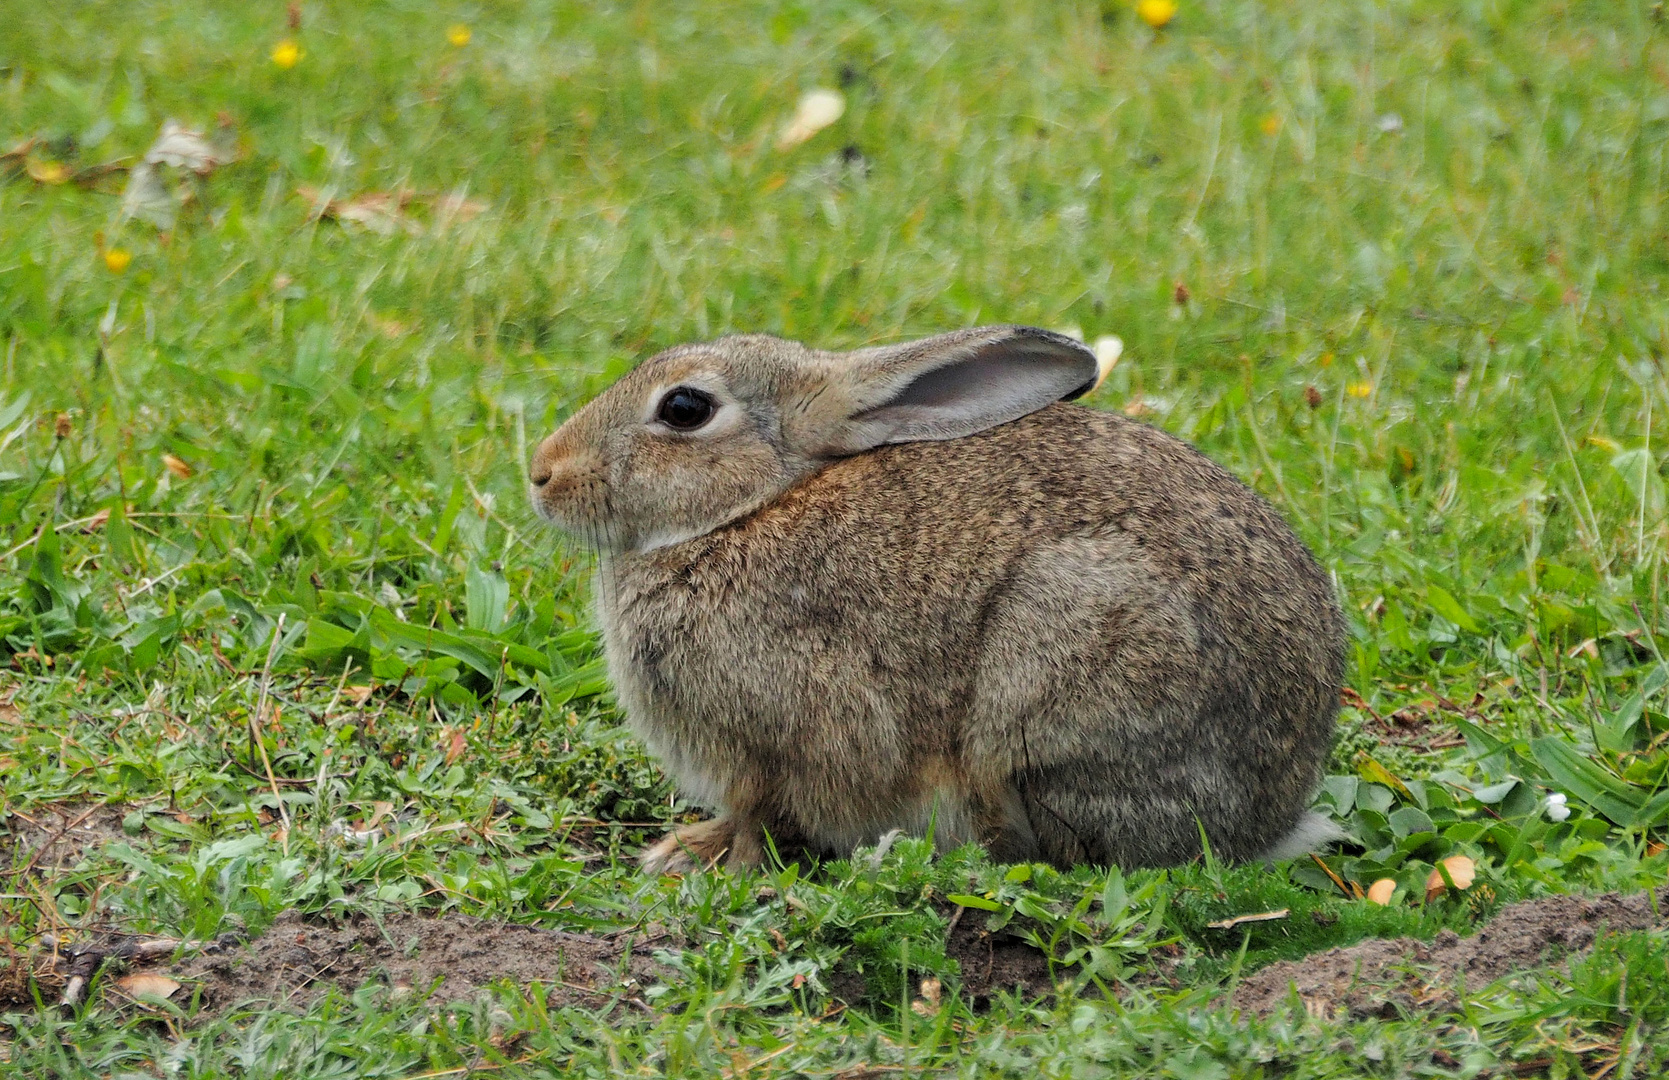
(268, 562)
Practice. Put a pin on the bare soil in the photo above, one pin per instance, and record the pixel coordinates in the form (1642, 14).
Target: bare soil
(992, 963)
(1382, 978)
(52, 838)
(438, 959)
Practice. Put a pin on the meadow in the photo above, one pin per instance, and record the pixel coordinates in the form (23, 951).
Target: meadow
(282, 643)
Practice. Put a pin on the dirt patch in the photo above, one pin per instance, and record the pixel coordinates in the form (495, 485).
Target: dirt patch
(991, 963)
(441, 959)
(53, 837)
(1384, 977)
(995, 962)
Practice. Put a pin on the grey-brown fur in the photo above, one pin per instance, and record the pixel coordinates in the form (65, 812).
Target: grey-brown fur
(1069, 636)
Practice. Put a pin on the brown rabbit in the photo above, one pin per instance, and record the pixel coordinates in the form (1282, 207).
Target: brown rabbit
(843, 593)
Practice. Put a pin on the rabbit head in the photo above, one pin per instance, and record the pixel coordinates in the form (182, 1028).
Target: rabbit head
(703, 434)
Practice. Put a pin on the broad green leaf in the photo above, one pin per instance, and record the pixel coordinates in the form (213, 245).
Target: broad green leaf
(486, 597)
(1114, 897)
(1494, 793)
(1410, 820)
(1446, 605)
(1639, 472)
(980, 902)
(1579, 776)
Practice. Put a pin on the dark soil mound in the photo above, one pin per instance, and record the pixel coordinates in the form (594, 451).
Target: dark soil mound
(1381, 978)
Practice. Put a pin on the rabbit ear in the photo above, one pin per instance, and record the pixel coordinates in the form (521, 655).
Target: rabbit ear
(946, 387)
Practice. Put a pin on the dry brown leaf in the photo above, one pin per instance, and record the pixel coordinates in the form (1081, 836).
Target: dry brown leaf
(147, 198)
(146, 984)
(1380, 891)
(456, 206)
(358, 694)
(97, 521)
(382, 212)
(1462, 871)
(456, 744)
(1239, 920)
(47, 172)
(18, 151)
(176, 466)
(379, 810)
(183, 148)
(392, 329)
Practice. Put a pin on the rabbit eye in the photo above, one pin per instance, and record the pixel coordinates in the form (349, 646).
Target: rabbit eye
(685, 409)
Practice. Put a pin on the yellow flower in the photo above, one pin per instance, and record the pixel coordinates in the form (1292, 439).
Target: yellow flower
(458, 34)
(1156, 13)
(117, 259)
(1359, 389)
(286, 54)
(1270, 125)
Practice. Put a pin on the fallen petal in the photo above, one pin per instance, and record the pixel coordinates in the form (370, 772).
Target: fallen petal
(817, 110)
(1108, 349)
(1462, 871)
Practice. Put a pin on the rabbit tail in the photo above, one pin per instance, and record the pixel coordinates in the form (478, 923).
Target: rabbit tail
(1312, 833)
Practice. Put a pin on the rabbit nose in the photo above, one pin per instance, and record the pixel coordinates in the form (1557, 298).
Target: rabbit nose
(540, 471)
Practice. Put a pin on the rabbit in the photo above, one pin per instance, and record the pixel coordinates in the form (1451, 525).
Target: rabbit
(911, 587)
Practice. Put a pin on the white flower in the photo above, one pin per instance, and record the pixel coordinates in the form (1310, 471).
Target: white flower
(1554, 807)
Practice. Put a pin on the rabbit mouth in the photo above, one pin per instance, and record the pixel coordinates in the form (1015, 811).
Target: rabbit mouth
(570, 499)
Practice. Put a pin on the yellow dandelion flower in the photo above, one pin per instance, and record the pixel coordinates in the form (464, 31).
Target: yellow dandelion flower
(458, 34)
(1270, 125)
(286, 54)
(1156, 13)
(1359, 389)
(116, 260)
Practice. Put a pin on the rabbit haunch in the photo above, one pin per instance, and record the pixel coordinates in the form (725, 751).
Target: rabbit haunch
(906, 585)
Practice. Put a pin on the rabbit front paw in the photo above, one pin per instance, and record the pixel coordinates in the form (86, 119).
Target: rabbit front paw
(702, 845)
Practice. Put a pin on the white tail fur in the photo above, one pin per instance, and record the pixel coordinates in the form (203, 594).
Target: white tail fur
(1310, 834)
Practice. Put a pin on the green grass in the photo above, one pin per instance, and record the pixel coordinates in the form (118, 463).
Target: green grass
(1399, 266)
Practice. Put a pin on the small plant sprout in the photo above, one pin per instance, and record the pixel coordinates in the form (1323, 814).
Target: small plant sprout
(1554, 807)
